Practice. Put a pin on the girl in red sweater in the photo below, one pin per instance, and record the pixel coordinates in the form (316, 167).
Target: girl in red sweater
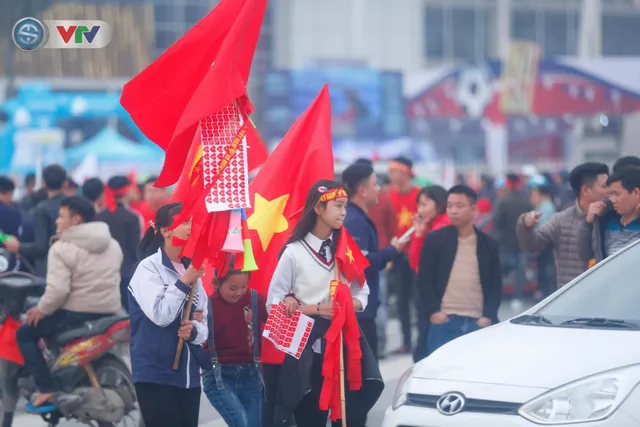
(234, 384)
(432, 214)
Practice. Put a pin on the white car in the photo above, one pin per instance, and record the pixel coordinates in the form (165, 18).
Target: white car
(574, 359)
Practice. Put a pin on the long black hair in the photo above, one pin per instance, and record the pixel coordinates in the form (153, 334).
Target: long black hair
(309, 216)
(153, 238)
(436, 193)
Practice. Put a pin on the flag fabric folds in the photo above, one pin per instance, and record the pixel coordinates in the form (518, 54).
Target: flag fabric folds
(351, 260)
(8, 345)
(279, 191)
(344, 330)
(202, 73)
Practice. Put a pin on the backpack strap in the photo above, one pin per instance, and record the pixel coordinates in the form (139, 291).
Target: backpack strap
(256, 326)
(211, 341)
(212, 349)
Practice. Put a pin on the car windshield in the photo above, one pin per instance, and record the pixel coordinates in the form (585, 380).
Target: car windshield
(607, 297)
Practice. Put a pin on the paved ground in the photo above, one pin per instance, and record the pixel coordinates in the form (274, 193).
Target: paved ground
(392, 368)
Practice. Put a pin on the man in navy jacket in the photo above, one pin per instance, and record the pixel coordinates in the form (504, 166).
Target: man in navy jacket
(362, 186)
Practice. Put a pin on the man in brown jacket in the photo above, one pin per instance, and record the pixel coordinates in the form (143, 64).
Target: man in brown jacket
(561, 232)
(83, 284)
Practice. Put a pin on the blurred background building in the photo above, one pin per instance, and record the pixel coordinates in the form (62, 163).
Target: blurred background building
(417, 77)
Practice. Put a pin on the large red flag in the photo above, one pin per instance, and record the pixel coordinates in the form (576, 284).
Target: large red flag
(279, 191)
(202, 73)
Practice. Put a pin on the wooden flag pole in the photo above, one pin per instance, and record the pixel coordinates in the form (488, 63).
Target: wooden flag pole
(185, 316)
(343, 400)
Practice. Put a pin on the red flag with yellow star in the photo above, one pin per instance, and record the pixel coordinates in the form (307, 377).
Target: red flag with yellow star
(202, 73)
(351, 260)
(279, 191)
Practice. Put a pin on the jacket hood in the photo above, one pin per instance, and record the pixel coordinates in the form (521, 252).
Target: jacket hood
(93, 237)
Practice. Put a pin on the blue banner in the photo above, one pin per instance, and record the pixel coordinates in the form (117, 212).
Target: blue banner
(366, 103)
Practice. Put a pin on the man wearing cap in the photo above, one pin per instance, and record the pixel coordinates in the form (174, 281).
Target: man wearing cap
(404, 198)
(125, 226)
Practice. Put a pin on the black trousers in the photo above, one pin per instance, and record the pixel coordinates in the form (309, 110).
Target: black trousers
(308, 413)
(370, 331)
(28, 337)
(403, 278)
(168, 406)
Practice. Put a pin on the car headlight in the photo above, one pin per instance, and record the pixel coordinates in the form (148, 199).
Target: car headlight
(593, 398)
(400, 396)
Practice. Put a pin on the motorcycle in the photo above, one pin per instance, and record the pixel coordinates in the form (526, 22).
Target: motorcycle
(96, 385)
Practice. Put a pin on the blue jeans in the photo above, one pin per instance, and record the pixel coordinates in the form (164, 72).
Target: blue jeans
(238, 399)
(453, 328)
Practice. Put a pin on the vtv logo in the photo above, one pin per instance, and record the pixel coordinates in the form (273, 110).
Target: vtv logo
(81, 34)
(77, 31)
(30, 34)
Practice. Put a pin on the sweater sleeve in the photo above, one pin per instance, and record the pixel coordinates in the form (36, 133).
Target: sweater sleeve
(282, 279)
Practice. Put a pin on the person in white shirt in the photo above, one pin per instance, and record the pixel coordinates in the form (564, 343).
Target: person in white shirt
(302, 280)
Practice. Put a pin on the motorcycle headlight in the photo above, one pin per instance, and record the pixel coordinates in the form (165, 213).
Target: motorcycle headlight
(593, 398)
(400, 396)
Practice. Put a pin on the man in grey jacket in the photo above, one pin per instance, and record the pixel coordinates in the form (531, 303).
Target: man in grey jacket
(589, 183)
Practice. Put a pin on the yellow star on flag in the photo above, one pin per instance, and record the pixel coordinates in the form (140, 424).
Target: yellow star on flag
(267, 218)
(350, 255)
(405, 218)
(196, 168)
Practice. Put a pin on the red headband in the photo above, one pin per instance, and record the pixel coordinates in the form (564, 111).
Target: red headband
(400, 166)
(334, 193)
(111, 194)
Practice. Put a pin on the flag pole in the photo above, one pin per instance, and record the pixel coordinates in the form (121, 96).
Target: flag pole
(185, 316)
(343, 402)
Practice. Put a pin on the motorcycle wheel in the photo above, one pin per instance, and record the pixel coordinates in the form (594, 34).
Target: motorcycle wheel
(106, 368)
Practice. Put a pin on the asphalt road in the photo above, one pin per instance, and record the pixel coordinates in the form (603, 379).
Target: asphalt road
(392, 369)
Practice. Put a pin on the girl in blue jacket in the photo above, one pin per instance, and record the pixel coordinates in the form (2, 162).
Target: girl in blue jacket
(158, 294)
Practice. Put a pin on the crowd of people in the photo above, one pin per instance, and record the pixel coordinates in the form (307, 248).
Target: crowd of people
(442, 259)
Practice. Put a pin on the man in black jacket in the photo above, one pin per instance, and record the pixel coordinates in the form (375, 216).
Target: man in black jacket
(124, 225)
(460, 278)
(362, 184)
(44, 218)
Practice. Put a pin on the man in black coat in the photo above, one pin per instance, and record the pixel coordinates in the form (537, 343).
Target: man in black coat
(124, 225)
(362, 185)
(460, 278)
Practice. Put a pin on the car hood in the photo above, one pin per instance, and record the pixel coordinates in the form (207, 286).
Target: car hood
(531, 356)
